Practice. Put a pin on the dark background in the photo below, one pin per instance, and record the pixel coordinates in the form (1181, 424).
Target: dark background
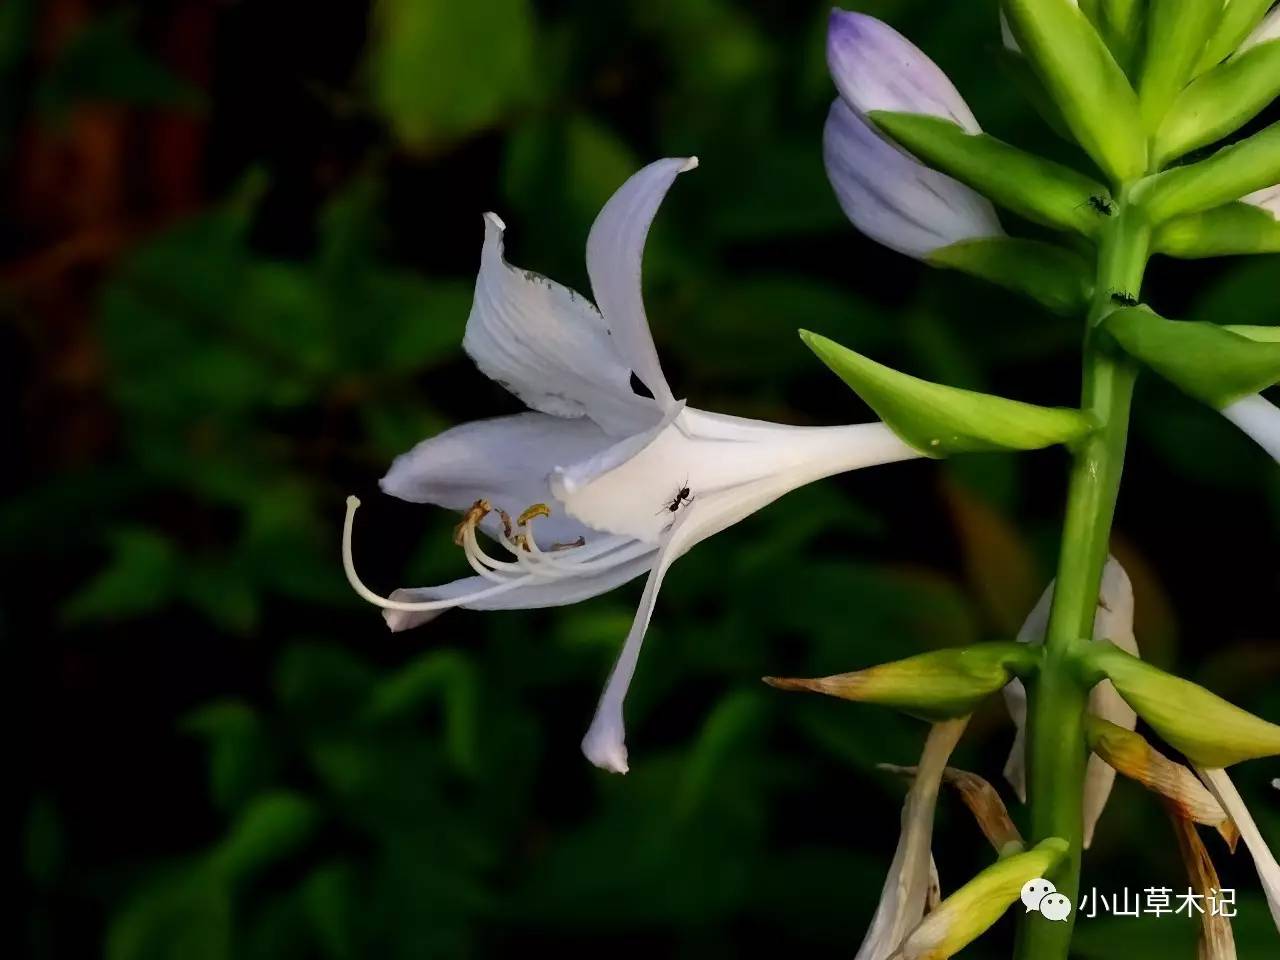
(235, 271)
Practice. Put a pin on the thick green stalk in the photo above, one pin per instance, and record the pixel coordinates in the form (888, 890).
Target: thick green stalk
(1056, 752)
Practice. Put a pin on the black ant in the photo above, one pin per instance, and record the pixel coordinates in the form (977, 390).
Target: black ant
(682, 497)
(1101, 205)
(1124, 299)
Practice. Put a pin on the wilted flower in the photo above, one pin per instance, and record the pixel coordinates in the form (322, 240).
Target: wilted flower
(888, 194)
(1219, 783)
(608, 475)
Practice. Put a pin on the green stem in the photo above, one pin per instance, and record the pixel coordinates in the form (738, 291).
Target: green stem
(1056, 753)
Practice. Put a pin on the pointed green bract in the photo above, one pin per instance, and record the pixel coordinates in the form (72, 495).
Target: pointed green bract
(1120, 23)
(1239, 17)
(939, 420)
(1085, 81)
(1229, 230)
(1030, 186)
(1210, 363)
(1176, 33)
(970, 911)
(1263, 334)
(1210, 731)
(940, 685)
(1228, 175)
(1058, 278)
(1220, 102)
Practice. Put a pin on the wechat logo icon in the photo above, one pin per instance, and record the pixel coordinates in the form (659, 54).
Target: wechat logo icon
(1041, 896)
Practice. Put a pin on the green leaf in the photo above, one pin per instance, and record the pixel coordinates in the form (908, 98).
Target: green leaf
(1210, 731)
(1176, 33)
(1220, 102)
(271, 827)
(1058, 278)
(1040, 190)
(1228, 175)
(1239, 17)
(441, 70)
(939, 420)
(1084, 80)
(238, 761)
(1230, 230)
(441, 675)
(1209, 362)
(939, 685)
(140, 578)
(1264, 334)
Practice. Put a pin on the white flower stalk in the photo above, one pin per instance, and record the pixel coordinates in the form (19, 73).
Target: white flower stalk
(888, 194)
(1268, 199)
(1264, 861)
(1112, 622)
(1264, 32)
(906, 889)
(608, 475)
(1260, 419)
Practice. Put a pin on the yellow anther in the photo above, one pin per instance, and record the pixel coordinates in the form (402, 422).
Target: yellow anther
(537, 510)
(506, 523)
(475, 513)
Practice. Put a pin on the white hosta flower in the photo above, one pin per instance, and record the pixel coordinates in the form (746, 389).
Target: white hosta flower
(1268, 199)
(607, 476)
(1264, 32)
(1260, 419)
(907, 888)
(1112, 622)
(888, 194)
(1219, 783)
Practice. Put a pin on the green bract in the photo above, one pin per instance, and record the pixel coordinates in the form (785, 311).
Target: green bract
(1176, 32)
(970, 911)
(1234, 228)
(939, 685)
(1039, 190)
(1220, 102)
(1239, 17)
(939, 420)
(1228, 175)
(1056, 277)
(1210, 731)
(1208, 362)
(1085, 81)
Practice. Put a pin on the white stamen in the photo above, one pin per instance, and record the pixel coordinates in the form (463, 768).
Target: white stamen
(348, 565)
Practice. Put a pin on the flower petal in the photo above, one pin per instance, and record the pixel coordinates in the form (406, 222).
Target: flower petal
(1220, 785)
(534, 595)
(1113, 622)
(1015, 696)
(505, 460)
(615, 252)
(892, 197)
(1264, 32)
(1260, 419)
(1268, 199)
(548, 345)
(877, 68)
(630, 490)
(906, 889)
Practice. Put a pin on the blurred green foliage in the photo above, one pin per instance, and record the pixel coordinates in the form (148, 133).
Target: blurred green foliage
(233, 758)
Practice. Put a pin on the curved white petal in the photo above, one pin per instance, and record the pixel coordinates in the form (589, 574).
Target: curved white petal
(892, 197)
(615, 254)
(1264, 861)
(1113, 622)
(505, 460)
(1260, 419)
(630, 490)
(533, 595)
(1267, 30)
(906, 889)
(877, 68)
(1268, 199)
(548, 345)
